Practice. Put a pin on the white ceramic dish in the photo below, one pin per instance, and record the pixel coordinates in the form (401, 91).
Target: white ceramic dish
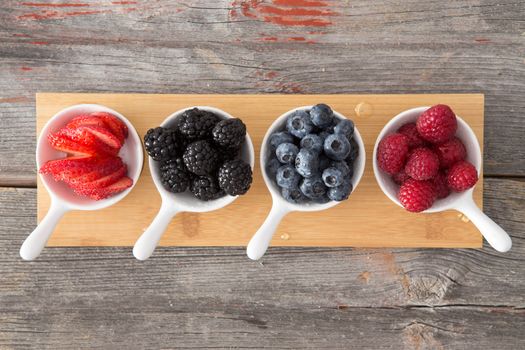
(63, 199)
(280, 207)
(463, 201)
(173, 203)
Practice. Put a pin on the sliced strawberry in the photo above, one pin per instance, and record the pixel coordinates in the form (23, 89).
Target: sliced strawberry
(102, 168)
(65, 168)
(105, 192)
(114, 124)
(106, 180)
(65, 144)
(84, 137)
(85, 119)
(103, 135)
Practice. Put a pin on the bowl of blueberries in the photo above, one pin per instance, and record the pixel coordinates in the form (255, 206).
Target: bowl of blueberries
(312, 158)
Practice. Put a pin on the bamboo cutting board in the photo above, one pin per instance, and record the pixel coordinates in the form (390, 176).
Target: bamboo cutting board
(367, 219)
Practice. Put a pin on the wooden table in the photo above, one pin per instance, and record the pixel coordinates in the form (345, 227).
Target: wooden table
(296, 298)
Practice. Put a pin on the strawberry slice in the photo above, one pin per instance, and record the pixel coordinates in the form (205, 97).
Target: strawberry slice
(103, 135)
(105, 180)
(102, 168)
(85, 119)
(65, 144)
(84, 137)
(114, 124)
(63, 169)
(105, 192)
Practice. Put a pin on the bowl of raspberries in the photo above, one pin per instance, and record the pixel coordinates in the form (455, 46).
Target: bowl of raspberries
(202, 154)
(201, 159)
(312, 158)
(428, 159)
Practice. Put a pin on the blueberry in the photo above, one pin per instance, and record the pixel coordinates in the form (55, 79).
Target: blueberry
(321, 115)
(343, 167)
(337, 147)
(272, 166)
(313, 187)
(286, 153)
(313, 143)
(354, 152)
(306, 163)
(279, 137)
(287, 177)
(299, 124)
(333, 177)
(324, 162)
(345, 127)
(324, 134)
(340, 193)
(293, 195)
(322, 200)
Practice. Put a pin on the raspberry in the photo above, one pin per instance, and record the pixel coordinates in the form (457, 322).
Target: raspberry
(422, 164)
(440, 185)
(410, 131)
(450, 152)
(462, 176)
(437, 124)
(417, 196)
(392, 153)
(400, 177)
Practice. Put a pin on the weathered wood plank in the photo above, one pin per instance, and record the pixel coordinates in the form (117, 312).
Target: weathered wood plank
(227, 47)
(298, 298)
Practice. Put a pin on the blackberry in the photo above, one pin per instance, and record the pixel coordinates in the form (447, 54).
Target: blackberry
(201, 158)
(206, 188)
(226, 154)
(174, 175)
(229, 133)
(161, 143)
(235, 177)
(196, 124)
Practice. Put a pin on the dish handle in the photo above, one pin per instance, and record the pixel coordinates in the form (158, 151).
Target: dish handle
(148, 241)
(262, 238)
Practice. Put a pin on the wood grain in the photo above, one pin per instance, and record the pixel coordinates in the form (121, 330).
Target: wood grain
(172, 47)
(306, 298)
(358, 222)
(296, 298)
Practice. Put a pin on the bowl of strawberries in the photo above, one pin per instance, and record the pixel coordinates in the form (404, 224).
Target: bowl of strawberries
(89, 157)
(428, 160)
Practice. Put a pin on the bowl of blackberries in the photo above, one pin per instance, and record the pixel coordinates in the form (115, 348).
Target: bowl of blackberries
(313, 157)
(201, 155)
